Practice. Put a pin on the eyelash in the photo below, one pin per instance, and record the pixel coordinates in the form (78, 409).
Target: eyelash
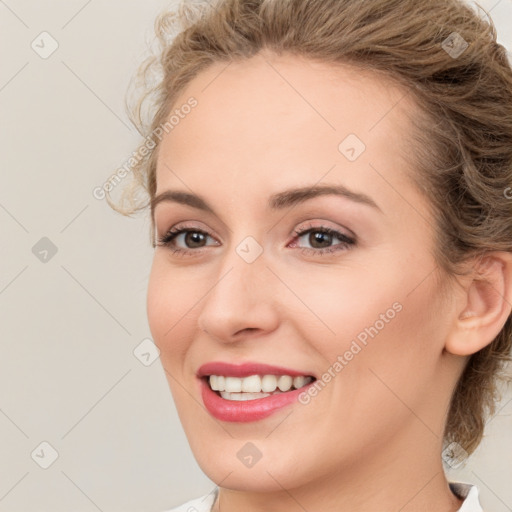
(346, 242)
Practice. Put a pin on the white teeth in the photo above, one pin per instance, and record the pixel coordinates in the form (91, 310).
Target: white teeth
(260, 385)
(298, 382)
(251, 384)
(268, 383)
(240, 397)
(233, 385)
(217, 382)
(284, 383)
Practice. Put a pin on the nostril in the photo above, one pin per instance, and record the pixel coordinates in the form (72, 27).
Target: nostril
(248, 329)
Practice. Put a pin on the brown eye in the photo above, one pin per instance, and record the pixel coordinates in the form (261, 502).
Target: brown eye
(183, 239)
(194, 239)
(319, 240)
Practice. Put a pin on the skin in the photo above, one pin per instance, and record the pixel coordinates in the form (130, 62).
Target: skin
(372, 438)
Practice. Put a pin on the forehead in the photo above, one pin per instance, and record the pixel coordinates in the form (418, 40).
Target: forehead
(270, 121)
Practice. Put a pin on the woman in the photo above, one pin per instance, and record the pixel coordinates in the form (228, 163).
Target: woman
(331, 287)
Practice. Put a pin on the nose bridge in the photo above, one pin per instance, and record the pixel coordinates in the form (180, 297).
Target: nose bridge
(242, 265)
(238, 280)
(239, 298)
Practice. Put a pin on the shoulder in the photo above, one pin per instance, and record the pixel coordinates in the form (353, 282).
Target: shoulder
(468, 493)
(202, 504)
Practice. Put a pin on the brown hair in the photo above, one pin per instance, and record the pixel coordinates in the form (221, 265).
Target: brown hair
(442, 51)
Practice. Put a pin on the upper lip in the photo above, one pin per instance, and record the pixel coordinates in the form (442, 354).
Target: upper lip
(246, 369)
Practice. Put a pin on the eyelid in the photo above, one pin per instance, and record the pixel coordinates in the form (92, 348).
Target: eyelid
(186, 225)
(322, 224)
(322, 229)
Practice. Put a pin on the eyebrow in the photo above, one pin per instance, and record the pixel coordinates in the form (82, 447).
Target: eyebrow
(277, 201)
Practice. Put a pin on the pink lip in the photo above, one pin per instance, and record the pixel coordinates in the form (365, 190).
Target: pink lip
(245, 369)
(249, 410)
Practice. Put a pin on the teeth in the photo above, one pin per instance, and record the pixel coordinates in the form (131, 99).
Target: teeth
(233, 385)
(251, 384)
(284, 383)
(255, 386)
(239, 397)
(217, 382)
(269, 383)
(298, 382)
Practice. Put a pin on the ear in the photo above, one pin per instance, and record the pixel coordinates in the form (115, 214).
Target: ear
(486, 303)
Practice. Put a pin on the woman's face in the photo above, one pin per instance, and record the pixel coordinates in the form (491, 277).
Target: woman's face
(357, 308)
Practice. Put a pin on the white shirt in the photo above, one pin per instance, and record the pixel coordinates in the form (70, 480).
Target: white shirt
(466, 492)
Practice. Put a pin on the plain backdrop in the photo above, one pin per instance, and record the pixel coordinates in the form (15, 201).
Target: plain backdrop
(86, 423)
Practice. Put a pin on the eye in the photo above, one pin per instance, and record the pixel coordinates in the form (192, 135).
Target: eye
(321, 238)
(184, 240)
(192, 238)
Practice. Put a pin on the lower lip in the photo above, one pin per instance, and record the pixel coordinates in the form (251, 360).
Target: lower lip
(247, 410)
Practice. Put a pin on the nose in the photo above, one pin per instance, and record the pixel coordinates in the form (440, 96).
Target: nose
(242, 301)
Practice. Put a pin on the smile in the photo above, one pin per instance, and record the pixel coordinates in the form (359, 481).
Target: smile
(249, 392)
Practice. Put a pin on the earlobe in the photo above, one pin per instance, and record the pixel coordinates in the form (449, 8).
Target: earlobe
(485, 305)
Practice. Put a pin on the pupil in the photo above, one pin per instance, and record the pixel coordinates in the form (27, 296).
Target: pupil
(319, 237)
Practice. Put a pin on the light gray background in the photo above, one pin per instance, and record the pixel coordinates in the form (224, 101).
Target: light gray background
(69, 326)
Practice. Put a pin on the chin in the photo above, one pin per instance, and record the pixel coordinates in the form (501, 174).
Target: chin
(224, 464)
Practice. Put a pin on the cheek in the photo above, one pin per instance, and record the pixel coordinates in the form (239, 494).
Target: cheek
(169, 303)
(385, 317)
(383, 366)
(345, 303)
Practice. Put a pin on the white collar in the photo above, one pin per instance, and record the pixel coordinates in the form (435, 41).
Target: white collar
(468, 493)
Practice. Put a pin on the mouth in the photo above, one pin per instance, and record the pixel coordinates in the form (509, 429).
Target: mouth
(251, 391)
